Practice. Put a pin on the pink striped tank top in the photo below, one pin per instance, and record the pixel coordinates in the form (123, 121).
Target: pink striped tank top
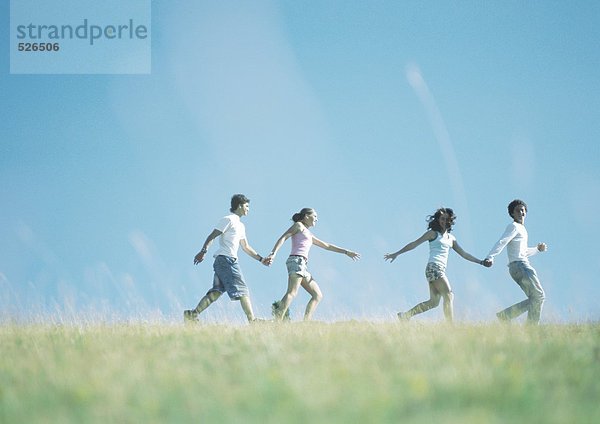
(301, 243)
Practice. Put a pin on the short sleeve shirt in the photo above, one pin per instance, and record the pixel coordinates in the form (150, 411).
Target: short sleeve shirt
(233, 231)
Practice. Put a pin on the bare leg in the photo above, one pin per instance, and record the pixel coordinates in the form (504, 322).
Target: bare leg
(313, 289)
(434, 300)
(442, 286)
(292, 290)
(205, 302)
(247, 307)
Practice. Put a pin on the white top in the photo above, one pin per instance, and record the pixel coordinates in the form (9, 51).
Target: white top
(515, 240)
(440, 247)
(233, 231)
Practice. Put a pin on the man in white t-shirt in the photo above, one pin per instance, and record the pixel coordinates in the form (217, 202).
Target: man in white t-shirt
(228, 275)
(515, 241)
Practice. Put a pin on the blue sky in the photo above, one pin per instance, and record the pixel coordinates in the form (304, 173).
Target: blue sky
(373, 113)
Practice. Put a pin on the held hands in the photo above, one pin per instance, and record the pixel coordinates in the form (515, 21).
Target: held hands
(268, 260)
(487, 263)
(542, 247)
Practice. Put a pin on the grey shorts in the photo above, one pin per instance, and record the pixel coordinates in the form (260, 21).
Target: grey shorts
(297, 265)
(229, 278)
(434, 271)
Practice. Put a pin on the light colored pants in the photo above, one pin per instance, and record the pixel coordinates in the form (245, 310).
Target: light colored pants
(527, 279)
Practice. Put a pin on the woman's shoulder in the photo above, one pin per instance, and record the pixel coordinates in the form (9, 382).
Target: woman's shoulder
(298, 227)
(305, 230)
(431, 235)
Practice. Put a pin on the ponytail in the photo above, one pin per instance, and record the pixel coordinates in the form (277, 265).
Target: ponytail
(300, 215)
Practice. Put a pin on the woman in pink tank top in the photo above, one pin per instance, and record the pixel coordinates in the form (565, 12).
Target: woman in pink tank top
(298, 275)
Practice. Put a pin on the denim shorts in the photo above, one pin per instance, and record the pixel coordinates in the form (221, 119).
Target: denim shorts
(297, 265)
(228, 277)
(434, 271)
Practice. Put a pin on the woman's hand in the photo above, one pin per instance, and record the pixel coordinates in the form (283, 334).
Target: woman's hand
(355, 256)
(391, 256)
(268, 260)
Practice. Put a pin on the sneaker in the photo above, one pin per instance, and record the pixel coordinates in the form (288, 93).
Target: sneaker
(275, 312)
(189, 315)
(403, 316)
(502, 317)
(275, 308)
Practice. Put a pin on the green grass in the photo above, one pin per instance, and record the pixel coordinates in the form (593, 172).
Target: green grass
(348, 372)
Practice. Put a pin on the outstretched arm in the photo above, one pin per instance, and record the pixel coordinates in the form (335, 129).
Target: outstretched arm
(466, 255)
(509, 234)
(333, 248)
(428, 236)
(200, 256)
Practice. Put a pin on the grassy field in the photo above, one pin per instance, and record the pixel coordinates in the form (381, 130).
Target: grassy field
(347, 372)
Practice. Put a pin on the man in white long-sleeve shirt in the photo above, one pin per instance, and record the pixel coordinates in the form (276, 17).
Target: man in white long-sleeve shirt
(515, 241)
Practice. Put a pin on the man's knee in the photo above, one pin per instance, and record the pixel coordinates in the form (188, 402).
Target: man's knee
(538, 297)
(213, 295)
(536, 293)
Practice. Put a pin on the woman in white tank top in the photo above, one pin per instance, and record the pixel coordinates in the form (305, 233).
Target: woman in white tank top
(302, 240)
(440, 241)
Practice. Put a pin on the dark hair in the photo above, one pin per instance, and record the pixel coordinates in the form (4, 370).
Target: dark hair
(433, 220)
(512, 205)
(300, 215)
(237, 200)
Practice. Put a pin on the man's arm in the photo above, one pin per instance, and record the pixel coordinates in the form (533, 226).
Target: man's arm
(250, 251)
(541, 247)
(509, 234)
(200, 256)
